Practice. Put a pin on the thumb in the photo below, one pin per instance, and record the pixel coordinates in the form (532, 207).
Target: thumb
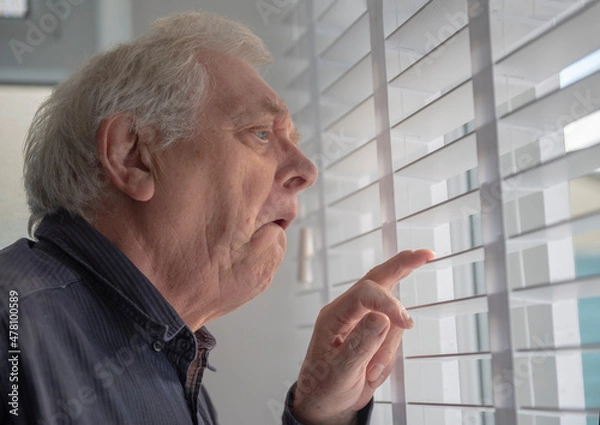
(364, 341)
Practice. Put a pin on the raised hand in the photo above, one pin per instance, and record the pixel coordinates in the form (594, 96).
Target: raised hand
(354, 344)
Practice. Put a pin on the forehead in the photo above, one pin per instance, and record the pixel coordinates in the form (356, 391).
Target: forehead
(250, 108)
(240, 91)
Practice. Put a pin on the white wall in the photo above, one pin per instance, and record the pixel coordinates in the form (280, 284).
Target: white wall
(255, 356)
(17, 107)
(114, 21)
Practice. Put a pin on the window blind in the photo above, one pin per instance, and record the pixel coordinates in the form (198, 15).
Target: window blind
(472, 128)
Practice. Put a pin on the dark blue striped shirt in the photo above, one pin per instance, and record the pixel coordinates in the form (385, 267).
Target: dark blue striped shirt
(87, 339)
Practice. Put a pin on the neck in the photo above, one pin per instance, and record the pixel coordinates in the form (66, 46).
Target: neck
(169, 266)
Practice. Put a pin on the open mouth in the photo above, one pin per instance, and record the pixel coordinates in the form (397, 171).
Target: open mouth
(284, 224)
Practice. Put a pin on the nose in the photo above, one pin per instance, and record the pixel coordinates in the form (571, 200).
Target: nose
(298, 172)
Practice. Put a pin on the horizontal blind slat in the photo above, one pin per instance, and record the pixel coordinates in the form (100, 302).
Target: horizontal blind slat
(305, 326)
(341, 14)
(352, 115)
(445, 162)
(444, 114)
(469, 256)
(562, 411)
(307, 292)
(417, 32)
(347, 155)
(584, 287)
(369, 193)
(321, 7)
(359, 72)
(482, 408)
(562, 169)
(553, 46)
(355, 238)
(455, 208)
(351, 44)
(562, 229)
(480, 355)
(447, 64)
(451, 308)
(555, 110)
(549, 350)
(334, 110)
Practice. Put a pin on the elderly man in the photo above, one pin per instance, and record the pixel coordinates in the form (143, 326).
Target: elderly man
(161, 178)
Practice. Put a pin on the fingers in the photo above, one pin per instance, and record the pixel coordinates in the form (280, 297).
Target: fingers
(398, 267)
(363, 342)
(363, 297)
(355, 341)
(382, 362)
(371, 294)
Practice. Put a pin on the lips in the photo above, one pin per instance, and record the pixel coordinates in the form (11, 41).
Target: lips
(279, 213)
(282, 219)
(284, 224)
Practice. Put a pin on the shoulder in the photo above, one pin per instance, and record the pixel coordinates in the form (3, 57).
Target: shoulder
(27, 270)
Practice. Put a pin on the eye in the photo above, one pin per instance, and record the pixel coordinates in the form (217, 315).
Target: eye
(262, 135)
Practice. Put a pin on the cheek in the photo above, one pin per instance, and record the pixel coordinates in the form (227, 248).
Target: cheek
(258, 180)
(234, 209)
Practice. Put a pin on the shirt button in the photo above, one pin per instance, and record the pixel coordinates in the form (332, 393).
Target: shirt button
(158, 346)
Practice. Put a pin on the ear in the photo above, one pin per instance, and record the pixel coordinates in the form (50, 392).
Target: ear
(126, 158)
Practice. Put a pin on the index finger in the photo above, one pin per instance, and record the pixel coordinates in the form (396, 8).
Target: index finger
(388, 274)
(343, 313)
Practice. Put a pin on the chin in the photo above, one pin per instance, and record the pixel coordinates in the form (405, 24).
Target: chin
(264, 284)
(260, 275)
(264, 280)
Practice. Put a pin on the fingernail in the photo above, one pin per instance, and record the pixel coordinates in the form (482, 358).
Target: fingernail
(374, 373)
(407, 319)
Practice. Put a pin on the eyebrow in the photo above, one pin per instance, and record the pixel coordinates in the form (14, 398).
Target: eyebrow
(270, 106)
(266, 104)
(295, 136)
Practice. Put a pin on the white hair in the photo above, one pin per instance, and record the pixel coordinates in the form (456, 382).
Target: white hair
(158, 79)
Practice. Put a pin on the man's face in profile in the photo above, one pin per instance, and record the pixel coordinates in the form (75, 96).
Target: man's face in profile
(229, 195)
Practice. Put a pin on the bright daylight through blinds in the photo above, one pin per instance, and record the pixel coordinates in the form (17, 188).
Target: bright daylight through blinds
(471, 128)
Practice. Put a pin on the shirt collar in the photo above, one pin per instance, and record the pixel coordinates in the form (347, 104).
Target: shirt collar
(93, 252)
